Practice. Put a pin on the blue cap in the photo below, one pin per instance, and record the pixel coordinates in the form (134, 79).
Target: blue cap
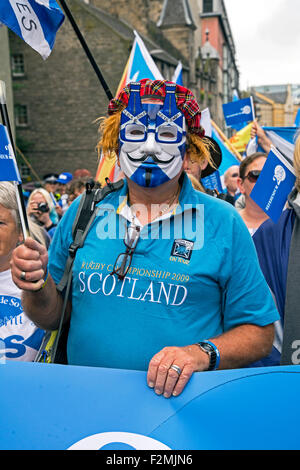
(64, 178)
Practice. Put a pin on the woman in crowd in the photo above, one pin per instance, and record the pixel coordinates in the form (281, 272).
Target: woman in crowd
(19, 337)
(41, 209)
(249, 172)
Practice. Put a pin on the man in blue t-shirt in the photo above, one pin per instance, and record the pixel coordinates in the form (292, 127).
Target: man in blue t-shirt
(168, 279)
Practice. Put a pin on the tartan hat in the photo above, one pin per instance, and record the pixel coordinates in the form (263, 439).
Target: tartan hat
(185, 100)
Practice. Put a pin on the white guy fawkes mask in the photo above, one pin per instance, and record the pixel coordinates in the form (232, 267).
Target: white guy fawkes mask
(152, 139)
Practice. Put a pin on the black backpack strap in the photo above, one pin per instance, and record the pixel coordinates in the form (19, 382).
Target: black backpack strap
(85, 216)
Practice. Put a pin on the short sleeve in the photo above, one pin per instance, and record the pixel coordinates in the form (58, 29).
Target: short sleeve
(62, 239)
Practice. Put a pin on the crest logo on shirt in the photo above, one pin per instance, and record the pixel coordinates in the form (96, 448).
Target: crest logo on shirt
(182, 249)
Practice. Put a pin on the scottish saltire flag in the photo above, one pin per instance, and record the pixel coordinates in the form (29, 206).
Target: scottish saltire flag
(215, 181)
(35, 21)
(240, 111)
(8, 166)
(274, 184)
(140, 65)
(177, 77)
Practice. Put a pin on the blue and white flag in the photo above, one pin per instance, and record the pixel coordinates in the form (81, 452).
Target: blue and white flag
(274, 184)
(35, 21)
(8, 166)
(213, 182)
(177, 77)
(283, 138)
(239, 111)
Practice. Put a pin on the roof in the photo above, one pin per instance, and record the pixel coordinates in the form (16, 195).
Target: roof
(176, 13)
(279, 97)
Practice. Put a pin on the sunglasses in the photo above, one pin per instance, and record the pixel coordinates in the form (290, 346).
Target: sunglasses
(123, 261)
(253, 176)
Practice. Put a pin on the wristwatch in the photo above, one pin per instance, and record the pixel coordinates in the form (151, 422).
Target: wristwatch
(213, 353)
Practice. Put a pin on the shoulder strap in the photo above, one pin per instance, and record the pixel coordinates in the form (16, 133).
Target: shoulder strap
(85, 216)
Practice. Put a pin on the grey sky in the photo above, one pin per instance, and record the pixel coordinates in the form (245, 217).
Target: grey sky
(267, 38)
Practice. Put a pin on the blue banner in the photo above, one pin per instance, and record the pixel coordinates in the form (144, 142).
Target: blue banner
(54, 407)
(239, 111)
(274, 184)
(35, 21)
(8, 167)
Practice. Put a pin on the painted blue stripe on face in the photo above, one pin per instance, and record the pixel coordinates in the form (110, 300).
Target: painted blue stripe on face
(149, 176)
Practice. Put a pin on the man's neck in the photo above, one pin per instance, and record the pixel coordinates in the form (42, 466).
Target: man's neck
(149, 201)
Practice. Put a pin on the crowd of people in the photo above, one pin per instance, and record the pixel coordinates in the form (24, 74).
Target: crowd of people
(175, 286)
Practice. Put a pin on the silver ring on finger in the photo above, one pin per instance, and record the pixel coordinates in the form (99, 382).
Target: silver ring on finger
(23, 276)
(176, 368)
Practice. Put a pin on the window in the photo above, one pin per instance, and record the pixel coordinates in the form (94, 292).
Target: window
(21, 115)
(17, 65)
(207, 6)
(24, 170)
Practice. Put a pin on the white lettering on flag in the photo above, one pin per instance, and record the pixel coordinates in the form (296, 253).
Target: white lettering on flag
(31, 29)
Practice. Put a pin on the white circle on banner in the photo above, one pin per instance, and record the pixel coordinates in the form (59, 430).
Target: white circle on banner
(137, 441)
(246, 110)
(279, 174)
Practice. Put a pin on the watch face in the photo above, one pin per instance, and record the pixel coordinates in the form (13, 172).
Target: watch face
(207, 347)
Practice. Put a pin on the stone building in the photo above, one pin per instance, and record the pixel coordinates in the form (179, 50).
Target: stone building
(57, 101)
(276, 105)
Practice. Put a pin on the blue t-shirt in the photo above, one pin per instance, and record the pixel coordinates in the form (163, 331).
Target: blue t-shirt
(193, 276)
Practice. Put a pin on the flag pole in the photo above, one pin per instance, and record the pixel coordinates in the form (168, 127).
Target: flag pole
(18, 186)
(86, 49)
(233, 150)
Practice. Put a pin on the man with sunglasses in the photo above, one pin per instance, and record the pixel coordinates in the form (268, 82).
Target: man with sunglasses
(167, 280)
(249, 172)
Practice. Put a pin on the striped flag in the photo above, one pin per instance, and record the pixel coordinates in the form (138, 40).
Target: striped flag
(35, 21)
(139, 65)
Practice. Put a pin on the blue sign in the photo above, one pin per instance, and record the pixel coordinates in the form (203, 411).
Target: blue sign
(274, 184)
(213, 182)
(240, 111)
(55, 407)
(8, 167)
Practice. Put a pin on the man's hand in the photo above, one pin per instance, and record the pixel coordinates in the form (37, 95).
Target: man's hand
(29, 265)
(167, 381)
(262, 138)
